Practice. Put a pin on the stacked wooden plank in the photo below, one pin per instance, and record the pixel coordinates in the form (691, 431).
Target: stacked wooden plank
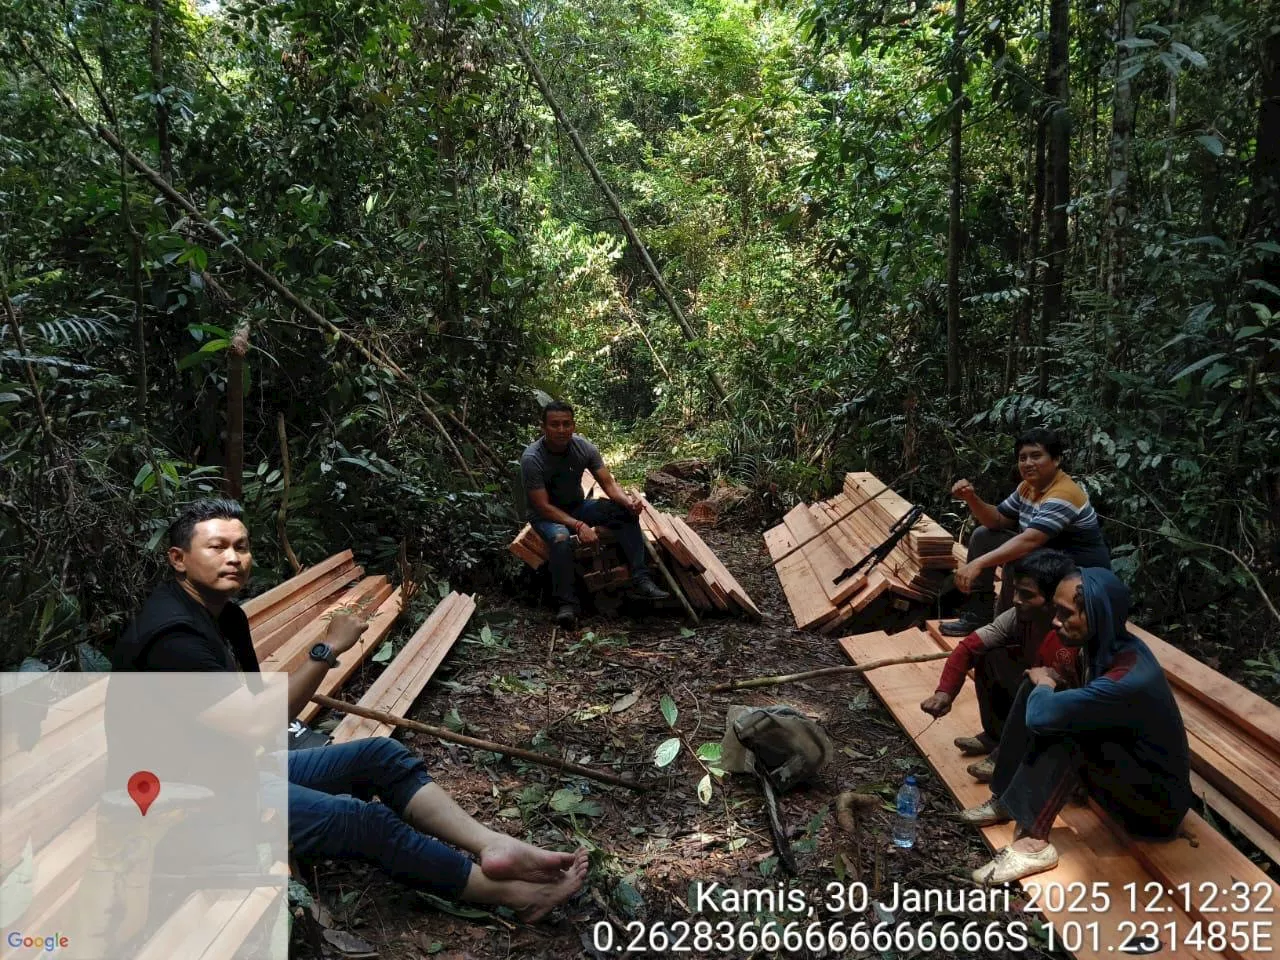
(1092, 850)
(406, 677)
(834, 534)
(70, 757)
(706, 582)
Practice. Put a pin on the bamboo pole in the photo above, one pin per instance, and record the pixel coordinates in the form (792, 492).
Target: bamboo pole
(671, 580)
(828, 672)
(476, 743)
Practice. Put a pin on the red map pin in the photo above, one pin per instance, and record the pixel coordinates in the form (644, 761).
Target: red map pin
(144, 787)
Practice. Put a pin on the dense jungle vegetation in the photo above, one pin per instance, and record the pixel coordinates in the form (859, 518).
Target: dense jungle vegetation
(898, 232)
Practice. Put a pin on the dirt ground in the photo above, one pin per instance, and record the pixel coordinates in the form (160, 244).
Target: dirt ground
(594, 698)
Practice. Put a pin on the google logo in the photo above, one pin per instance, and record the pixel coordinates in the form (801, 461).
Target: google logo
(48, 944)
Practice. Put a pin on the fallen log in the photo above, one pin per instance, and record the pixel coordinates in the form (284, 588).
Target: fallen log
(827, 672)
(476, 743)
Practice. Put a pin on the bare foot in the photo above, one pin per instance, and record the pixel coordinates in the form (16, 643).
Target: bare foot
(507, 858)
(530, 901)
(545, 897)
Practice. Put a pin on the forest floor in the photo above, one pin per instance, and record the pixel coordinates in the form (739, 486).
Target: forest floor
(649, 851)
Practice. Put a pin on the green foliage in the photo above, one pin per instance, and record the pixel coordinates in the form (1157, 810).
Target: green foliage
(786, 165)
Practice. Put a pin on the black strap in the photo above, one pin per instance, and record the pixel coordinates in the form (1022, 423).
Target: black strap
(900, 529)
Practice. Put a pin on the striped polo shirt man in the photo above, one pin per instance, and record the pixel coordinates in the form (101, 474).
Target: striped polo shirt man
(1063, 512)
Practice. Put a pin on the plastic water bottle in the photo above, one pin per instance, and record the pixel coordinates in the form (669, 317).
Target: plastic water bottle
(904, 824)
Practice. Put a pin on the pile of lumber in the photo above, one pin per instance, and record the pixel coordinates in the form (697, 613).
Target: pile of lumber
(835, 534)
(705, 581)
(62, 776)
(1092, 850)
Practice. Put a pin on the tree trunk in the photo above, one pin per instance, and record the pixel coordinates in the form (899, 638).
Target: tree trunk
(953, 227)
(1122, 110)
(234, 471)
(1032, 272)
(1057, 87)
(1166, 168)
(628, 228)
(157, 87)
(1263, 221)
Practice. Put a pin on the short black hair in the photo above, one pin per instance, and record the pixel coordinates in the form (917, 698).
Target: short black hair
(1047, 567)
(556, 406)
(182, 528)
(1039, 437)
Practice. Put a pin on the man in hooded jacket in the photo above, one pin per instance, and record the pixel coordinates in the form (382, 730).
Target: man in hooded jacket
(1120, 735)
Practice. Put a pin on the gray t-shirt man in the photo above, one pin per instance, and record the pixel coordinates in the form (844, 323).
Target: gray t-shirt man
(560, 474)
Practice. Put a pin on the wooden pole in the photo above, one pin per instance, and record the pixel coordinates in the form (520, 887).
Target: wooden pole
(628, 227)
(475, 742)
(828, 672)
(671, 580)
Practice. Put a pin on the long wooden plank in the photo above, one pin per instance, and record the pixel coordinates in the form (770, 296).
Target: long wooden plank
(1241, 705)
(70, 709)
(195, 936)
(877, 585)
(248, 914)
(664, 525)
(301, 604)
(44, 812)
(277, 631)
(435, 638)
(1088, 851)
(24, 770)
(428, 662)
(382, 692)
(808, 601)
(717, 569)
(825, 558)
(1210, 866)
(281, 593)
(58, 866)
(1253, 831)
(294, 651)
(379, 626)
(165, 943)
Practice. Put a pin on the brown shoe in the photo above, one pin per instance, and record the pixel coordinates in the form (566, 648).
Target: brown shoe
(984, 769)
(975, 746)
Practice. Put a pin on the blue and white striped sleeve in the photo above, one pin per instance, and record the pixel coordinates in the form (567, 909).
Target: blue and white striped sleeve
(1011, 506)
(1053, 516)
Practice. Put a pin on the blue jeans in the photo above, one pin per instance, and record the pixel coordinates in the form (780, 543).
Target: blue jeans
(595, 513)
(331, 816)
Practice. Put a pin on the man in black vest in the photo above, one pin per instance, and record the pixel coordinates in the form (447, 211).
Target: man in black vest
(192, 623)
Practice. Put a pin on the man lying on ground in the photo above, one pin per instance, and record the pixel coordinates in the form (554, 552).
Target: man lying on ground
(192, 623)
(551, 468)
(1001, 652)
(1120, 736)
(1047, 509)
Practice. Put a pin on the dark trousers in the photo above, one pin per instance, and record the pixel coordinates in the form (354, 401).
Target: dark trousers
(595, 513)
(331, 815)
(1035, 774)
(996, 679)
(982, 541)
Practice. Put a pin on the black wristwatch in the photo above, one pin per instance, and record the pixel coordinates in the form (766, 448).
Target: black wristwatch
(324, 653)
